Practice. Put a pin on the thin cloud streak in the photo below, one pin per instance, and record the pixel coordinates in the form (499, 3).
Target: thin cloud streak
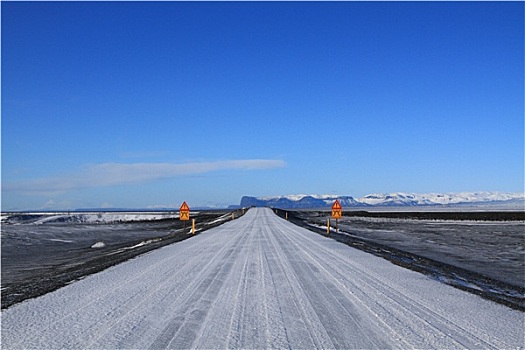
(113, 174)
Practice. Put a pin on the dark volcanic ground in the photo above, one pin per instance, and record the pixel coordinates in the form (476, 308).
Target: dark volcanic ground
(39, 258)
(480, 252)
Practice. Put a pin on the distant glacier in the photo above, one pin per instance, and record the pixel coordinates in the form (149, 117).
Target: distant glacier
(400, 199)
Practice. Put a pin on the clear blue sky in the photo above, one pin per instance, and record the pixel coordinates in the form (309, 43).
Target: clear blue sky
(136, 104)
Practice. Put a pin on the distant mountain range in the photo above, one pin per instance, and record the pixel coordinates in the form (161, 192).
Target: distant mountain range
(387, 200)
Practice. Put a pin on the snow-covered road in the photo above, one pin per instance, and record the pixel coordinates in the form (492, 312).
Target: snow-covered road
(260, 282)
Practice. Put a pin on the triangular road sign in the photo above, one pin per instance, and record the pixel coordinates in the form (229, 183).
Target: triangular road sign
(184, 212)
(184, 207)
(336, 205)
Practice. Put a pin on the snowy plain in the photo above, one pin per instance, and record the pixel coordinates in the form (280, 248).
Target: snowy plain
(87, 217)
(260, 282)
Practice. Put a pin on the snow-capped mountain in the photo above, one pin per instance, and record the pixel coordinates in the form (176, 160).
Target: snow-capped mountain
(298, 201)
(392, 199)
(400, 198)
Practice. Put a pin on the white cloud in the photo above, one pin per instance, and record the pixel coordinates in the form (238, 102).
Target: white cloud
(111, 174)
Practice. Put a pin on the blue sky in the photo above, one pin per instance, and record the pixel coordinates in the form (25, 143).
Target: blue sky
(137, 104)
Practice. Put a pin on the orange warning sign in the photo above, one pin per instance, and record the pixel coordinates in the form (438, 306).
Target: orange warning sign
(184, 212)
(336, 205)
(337, 210)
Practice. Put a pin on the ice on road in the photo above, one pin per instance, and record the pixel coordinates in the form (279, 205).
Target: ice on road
(260, 282)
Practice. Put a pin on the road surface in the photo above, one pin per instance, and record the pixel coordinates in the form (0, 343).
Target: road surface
(259, 282)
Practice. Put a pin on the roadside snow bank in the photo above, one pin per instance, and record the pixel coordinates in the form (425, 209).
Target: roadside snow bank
(98, 245)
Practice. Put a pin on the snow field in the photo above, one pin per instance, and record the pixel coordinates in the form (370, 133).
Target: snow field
(259, 282)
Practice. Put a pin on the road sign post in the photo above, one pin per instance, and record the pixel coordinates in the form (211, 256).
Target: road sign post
(337, 213)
